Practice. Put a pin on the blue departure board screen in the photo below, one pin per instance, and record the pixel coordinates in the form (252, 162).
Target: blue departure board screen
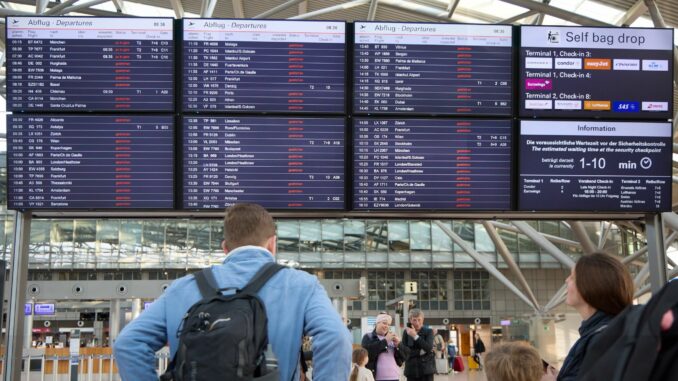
(595, 166)
(432, 69)
(75, 64)
(437, 164)
(278, 162)
(577, 72)
(262, 66)
(90, 162)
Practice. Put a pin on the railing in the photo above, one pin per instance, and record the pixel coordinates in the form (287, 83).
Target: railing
(90, 367)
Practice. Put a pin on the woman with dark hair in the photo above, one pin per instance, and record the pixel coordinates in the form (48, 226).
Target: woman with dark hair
(599, 287)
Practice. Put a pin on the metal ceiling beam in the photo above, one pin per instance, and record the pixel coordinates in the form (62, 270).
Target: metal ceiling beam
(483, 262)
(207, 8)
(510, 262)
(550, 248)
(279, 8)
(120, 6)
(334, 8)
(604, 232)
(557, 299)
(238, 10)
(81, 5)
(178, 8)
(40, 6)
(432, 12)
(632, 14)
(557, 12)
(56, 9)
(372, 12)
(580, 232)
(540, 19)
(552, 238)
(451, 7)
(515, 18)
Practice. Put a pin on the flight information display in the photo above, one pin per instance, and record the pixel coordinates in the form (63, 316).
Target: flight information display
(90, 162)
(579, 72)
(595, 166)
(432, 164)
(280, 163)
(264, 66)
(73, 64)
(436, 69)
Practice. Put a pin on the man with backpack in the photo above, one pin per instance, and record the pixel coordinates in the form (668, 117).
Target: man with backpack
(197, 328)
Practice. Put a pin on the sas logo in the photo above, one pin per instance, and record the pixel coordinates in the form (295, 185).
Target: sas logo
(553, 36)
(626, 106)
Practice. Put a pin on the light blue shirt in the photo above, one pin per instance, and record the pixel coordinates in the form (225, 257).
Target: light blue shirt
(296, 304)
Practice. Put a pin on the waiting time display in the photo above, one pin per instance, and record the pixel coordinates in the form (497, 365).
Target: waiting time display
(595, 166)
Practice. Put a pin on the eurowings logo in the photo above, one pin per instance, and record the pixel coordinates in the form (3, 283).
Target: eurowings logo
(538, 84)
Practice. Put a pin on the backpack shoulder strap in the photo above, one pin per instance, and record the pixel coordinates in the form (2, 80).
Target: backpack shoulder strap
(261, 277)
(206, 282)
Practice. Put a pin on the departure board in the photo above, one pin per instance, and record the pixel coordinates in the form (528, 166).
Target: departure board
(437, 69)
(595, 166)
(437, 164)
(74, 64)
(278, 162)
(90, 162)
(578, 72)
(264, 66)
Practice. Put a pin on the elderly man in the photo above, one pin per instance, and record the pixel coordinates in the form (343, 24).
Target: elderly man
(420, 364)
(384, 350)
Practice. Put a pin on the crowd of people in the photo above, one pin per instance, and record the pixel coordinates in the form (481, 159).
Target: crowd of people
(598, 288)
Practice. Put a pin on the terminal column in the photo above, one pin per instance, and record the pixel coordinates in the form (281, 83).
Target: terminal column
(114, 321)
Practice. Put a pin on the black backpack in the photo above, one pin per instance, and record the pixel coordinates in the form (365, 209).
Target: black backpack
(633, 348)
(224, 337)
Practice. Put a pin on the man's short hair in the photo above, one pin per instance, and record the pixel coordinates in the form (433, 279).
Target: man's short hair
(513, 362)
(247, 224)
(415, 312)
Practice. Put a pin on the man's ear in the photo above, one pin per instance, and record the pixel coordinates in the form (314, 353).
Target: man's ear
(223, 246)
(272, 244)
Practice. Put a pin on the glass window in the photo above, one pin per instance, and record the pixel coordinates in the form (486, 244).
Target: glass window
(376, 233)
(354, 236)
(420, 233)
(484, 243)
(398, 236)
(441, 241)
(333, 236)
(471, 290)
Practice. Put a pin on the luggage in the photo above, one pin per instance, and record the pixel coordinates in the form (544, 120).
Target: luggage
(441, 366)
(458, 364)
(472, 363)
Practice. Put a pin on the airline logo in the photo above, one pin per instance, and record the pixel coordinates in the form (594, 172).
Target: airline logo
(625, 106)
(538, 84)
(568, 105)
(538, 104)
(632, 65)
(538, 63)
(597, 63)
(655, 106)
(597, 105)
(568, 63)
(655, 65)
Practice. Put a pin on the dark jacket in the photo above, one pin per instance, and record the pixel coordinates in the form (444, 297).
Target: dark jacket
(479, 346)
(418, 364)
(588, 332)
(376, 347)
